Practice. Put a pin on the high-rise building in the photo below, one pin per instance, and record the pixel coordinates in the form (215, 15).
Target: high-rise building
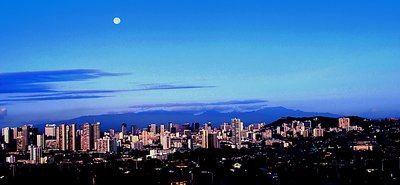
(213, 141)
(66, 137)
(123, 128)
(344, 122)
(32, 133)
(86, 137)
(50, 131)
(31, 152)
(133, 129)
(40, 141)
(35, 153)
(145, 137)
(153, 128)
(96, 133)
(237, 127)
(23, 138)
(195, 127)
(71, 130)
(77, 138)
(165, 141)
(15, 133)
(7, 135)
(61, 137)
(204, 138)
(106, 145)
(162, 129)
(170, 127)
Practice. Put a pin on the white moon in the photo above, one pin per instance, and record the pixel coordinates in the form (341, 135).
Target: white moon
(117, 20)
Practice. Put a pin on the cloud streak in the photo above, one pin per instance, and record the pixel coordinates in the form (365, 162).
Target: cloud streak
(39, 81)
(42, 85)
(147, 88)
(3, 113)
(71, 97)
(151, 87)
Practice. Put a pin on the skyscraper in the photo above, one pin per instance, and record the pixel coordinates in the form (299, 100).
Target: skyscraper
(35, 153)
(7, 135)
(144, 137)
(213, 141)
(153, 128)
(195, 127)
(86, 137)
(133, 129)
(22, 138)
(66, 136)
(165, 141)
(31, 152)
(204, 138)
(237, 127)
(50, 131)
(15, 133)
(40, 141)
(123, 128)
(96, 133)
(162, 129)
(170, 126)
(71, 130)
(61, 137)
(106, 145)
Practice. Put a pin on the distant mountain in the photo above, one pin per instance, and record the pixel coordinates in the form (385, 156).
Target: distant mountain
(142, 119)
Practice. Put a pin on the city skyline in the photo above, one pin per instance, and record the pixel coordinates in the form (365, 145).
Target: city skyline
(64, 60)
(230, 153)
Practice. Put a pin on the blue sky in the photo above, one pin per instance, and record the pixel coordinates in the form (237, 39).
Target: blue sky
(62, 59)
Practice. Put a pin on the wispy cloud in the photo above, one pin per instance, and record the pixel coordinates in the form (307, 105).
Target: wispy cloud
(41, 81)
(63, 93)
(42, 85)
(3, 113)
(240, 105)
(140, 88)
(149, 87)
(69, 97)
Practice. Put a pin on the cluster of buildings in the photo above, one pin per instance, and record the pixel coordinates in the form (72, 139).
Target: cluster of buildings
(277, 153)
(160, 140)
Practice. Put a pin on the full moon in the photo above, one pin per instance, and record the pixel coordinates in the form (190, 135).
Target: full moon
(117, 20)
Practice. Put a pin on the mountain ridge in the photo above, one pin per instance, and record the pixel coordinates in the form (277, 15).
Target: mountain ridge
(143, 119)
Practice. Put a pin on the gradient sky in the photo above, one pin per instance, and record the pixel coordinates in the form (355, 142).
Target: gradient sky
(62, 59)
